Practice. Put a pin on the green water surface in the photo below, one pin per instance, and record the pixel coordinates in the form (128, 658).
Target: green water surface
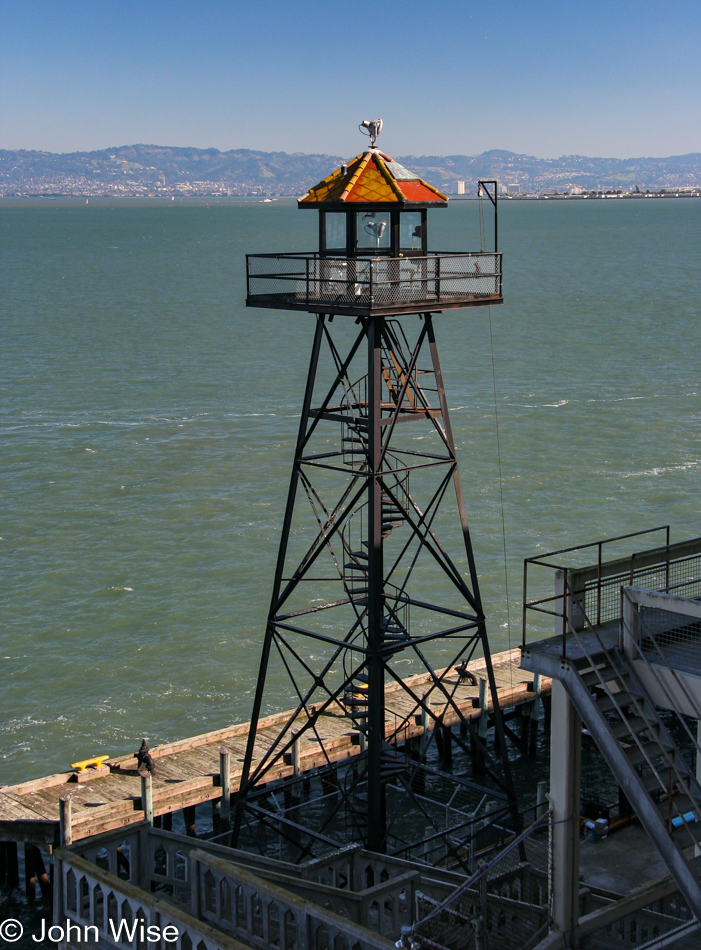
(147, 423)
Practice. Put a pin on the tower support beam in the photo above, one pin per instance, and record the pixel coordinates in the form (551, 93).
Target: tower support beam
(373, 580)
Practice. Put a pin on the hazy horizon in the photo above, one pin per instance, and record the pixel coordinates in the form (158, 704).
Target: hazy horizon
(424, 155)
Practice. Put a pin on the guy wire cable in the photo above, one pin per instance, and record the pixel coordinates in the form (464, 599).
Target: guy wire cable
(501, 494)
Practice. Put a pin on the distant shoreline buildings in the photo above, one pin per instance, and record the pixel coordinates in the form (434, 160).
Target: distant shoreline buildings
(160, 171)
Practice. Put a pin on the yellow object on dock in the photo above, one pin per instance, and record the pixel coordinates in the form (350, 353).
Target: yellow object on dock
(89, 763)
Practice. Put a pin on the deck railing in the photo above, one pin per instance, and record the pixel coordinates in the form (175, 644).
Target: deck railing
(220, 899)
(582, 593)
(392, 284)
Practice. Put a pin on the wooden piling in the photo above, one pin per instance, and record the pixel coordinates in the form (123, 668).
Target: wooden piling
(9, 874)
(187, 760)
(189, 818)
(122, 864)
(477, 755)
(296, 761)
(447, 745)
(547, 712)
(30, 874)
(541, 798)
(42, 877)
(216, 816)
(483, 702)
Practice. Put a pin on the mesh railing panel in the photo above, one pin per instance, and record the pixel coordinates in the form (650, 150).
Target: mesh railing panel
(675, 636)
(383, 282)
(602, 602)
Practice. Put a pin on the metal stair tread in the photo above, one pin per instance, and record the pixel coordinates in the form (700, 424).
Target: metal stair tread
(632, 726)
(650, 752)
(602, 674)
(618, 701)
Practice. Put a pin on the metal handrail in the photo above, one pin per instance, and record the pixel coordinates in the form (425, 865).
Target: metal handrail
(317, 255)
(643, 656)
(545, 560)
(363, 271)
(680, 780)
(484, 870)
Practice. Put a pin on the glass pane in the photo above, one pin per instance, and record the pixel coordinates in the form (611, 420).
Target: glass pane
(373, 229)
(335, 232)
(410, 232)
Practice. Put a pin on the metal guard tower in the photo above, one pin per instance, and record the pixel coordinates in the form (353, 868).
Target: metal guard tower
(375, 584)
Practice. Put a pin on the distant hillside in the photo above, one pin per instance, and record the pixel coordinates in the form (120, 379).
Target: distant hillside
(154, 170)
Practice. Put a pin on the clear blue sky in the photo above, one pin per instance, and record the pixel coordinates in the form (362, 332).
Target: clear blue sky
(618, 78)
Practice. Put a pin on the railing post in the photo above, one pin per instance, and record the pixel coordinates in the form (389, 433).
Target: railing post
(598, 588)
(567, 607)
(64, 811)
(523, 602)
(194, 876)
(143, 861)
(484, 706)
(423, 740)
(296, 760)
(225, 783)
(438, 277)
(147, 796)
(58, 891)
(306, 261)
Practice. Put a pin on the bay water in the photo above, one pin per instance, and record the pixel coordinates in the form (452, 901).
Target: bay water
(148, 420)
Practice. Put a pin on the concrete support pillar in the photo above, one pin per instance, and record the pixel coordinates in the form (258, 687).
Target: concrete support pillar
(565, 771)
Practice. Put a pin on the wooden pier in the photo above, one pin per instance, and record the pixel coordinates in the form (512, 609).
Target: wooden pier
(188, 771)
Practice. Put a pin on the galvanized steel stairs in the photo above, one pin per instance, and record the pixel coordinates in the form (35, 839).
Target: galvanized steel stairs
(644, 758)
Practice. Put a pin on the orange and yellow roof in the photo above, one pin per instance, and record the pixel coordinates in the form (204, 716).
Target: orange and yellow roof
(368, 179)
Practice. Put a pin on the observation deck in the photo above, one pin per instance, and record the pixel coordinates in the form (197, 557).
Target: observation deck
(378, 285)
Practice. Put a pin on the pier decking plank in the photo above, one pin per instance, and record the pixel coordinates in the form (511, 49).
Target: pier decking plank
(187, 770)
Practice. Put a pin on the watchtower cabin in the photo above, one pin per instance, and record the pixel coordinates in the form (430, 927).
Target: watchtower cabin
(373, 255)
